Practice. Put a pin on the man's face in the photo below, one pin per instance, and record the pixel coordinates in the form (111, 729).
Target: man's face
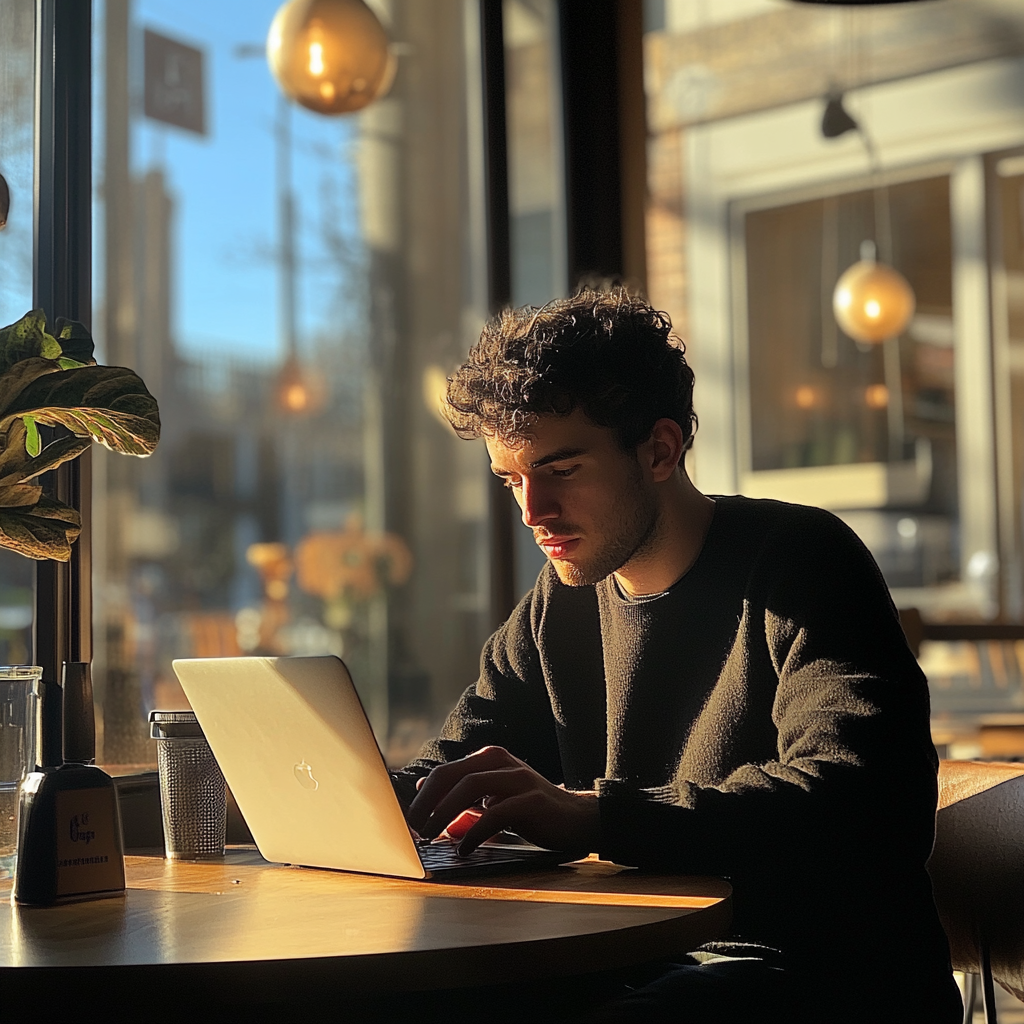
(588, 502)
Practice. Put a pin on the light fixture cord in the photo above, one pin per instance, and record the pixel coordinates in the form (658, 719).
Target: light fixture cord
(829, 276)
(882, 210)
(287, 241)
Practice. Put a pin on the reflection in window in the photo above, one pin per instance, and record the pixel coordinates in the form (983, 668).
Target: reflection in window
(293, 289)
(818, 399)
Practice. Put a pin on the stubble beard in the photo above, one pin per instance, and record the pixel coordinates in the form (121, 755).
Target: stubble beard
(627, 539)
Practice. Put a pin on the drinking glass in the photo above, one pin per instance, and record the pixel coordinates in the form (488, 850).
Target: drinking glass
(19, 693)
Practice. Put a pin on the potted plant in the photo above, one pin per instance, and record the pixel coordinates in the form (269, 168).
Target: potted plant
(52, 380)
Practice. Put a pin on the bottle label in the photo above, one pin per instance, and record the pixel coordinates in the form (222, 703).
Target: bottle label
(87, 851)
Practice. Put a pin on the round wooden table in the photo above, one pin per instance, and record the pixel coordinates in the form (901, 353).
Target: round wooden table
(242, 930)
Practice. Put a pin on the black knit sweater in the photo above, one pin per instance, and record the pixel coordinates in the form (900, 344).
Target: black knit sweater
(763, 719)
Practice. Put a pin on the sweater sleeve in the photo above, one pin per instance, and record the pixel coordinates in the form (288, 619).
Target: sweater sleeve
(853, 779)
(508, 706)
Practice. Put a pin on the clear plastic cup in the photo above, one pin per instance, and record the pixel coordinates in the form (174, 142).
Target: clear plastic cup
(19, 694)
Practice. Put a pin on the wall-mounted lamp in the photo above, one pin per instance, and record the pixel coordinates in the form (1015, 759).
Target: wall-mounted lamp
(836, 120)
(332, 56)
(872, 301)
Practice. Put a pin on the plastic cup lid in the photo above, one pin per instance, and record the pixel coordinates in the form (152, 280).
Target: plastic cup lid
(174, 725)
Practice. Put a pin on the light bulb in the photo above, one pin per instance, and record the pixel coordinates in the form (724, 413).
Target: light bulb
(296, 392)
(872, 301)
(332, 56)
(876, 396)
(295, 397)
(805, 397)
(316, 58)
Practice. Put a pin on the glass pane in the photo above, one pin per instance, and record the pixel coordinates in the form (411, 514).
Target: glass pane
(293, 288)
(534, 151)
(17, 95)
(536, 208)
(818, 398)
(1009, 322)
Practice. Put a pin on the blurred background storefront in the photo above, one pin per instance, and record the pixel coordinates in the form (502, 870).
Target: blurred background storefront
(782, 138)
(294, 288)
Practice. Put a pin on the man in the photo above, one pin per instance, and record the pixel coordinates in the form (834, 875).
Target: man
(716, 686)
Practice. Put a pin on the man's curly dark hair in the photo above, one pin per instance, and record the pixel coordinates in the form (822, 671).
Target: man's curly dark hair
(608, 353)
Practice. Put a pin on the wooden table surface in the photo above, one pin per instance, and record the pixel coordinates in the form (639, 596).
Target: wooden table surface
(260, 926)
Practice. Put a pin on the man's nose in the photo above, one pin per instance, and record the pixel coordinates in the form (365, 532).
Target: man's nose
(538, 504)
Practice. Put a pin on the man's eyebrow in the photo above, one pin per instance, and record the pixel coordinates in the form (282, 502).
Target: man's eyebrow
(558, 456)
(555, 456)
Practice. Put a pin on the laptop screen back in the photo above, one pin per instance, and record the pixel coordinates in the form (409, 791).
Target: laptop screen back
(293, 741)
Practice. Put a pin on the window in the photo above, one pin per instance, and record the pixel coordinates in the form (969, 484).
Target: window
(294, 290)
(1008, 337)
(868, 430)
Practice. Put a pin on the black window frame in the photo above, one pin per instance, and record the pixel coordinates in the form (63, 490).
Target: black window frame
(62, 286)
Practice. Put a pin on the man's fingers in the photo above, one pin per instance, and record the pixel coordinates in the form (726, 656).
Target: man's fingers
(445, 777)
(470, 792)
(457, 828)
(492, 821)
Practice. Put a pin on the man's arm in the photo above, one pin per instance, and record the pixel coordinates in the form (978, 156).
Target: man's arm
(508, 706)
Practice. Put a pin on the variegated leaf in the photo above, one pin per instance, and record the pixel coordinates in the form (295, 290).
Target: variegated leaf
(44, 530)
(110, 404)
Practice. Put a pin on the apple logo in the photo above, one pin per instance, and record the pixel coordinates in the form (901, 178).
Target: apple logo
(304, 775)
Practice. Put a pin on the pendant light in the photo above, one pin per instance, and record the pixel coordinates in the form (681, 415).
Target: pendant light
(872, 301)
(331, 56)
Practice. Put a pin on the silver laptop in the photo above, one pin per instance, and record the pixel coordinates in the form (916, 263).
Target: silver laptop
(293, 741)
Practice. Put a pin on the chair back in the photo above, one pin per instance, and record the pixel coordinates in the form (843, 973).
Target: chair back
(977, 866)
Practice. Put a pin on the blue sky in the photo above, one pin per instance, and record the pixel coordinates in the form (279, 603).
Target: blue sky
(225, 280)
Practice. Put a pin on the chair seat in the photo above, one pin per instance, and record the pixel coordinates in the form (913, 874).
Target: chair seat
(977, 867)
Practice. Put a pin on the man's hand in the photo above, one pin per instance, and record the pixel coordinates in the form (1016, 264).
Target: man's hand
(513, 796)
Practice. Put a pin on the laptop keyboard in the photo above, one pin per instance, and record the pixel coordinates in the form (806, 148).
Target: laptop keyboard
(443, 857)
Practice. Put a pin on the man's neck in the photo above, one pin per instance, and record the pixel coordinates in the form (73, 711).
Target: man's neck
(684, 516)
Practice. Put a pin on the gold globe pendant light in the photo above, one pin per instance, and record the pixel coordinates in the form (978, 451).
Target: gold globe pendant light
(872, 301)
(331, 56)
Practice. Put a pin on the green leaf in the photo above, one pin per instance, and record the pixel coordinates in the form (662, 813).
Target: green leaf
(18, 495)
(54, 382)
(75, 341)
(32, 443)
(44, 530)
(17, 467)
(110, 404)
(27, 339)
(12, 450)
(18, 377)
(64, 449)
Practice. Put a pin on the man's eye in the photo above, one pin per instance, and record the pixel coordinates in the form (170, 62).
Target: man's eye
(511, 482)
(564, 472)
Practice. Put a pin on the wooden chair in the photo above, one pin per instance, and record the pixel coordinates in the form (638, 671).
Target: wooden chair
(977, 870)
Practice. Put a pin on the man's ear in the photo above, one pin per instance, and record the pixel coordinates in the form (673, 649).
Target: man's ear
(666, 448)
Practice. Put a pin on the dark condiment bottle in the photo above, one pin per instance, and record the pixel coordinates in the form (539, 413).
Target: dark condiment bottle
(69, 832)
